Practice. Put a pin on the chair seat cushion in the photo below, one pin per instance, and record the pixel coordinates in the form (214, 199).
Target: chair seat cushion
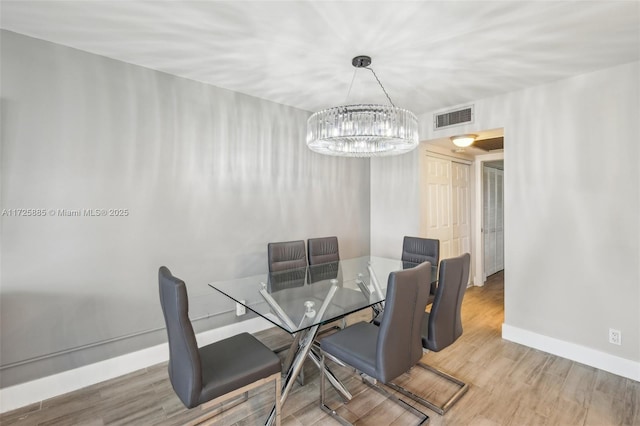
(355, 345)
(235, 362)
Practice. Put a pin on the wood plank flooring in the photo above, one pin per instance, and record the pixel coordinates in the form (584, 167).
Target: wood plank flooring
(509, 385)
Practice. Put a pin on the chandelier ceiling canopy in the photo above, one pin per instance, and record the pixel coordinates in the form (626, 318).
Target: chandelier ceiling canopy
(363, 130)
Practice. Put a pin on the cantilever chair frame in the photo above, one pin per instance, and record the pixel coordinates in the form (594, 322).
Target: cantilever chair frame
(243, 392)
(369, 381)
(440, 409)
(464, 387)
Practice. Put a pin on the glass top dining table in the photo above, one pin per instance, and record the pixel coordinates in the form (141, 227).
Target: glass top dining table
(298, 299)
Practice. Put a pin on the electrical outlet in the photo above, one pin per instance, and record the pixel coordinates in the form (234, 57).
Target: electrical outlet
(240, 309)
(615, 336)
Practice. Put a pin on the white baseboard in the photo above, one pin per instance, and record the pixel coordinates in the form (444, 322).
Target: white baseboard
(582, 354)
(47, 387)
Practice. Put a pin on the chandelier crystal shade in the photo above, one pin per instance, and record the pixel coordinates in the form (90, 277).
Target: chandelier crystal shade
(363, 130)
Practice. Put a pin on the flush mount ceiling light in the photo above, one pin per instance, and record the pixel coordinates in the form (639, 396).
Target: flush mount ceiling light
(463, 141)
(363, 130)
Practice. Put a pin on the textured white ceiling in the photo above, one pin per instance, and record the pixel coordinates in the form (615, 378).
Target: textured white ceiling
(429, 55)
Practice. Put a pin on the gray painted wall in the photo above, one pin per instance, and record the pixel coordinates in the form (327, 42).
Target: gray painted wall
(572, 210)
(572, 205)
(208, 176)
(395, 187)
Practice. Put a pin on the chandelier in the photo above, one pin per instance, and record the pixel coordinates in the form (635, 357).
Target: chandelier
(363, 130)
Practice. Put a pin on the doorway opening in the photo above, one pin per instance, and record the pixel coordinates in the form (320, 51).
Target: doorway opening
(452, 200)
(492, 217)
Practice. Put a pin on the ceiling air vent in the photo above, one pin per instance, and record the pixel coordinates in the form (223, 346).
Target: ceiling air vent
(452, 118)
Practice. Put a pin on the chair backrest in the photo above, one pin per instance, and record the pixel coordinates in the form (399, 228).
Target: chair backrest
(286, 255)
(444, 323)
(418, 250)
(399, 345)
(323, 250)
(184, 359)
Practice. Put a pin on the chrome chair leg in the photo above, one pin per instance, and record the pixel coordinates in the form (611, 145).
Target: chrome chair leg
(324, 407)
(424, 419)
(213, 410)
(440, 409)
(335, 382)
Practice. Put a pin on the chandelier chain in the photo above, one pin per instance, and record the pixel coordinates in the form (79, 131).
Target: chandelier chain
(351, 85)
(380, 83)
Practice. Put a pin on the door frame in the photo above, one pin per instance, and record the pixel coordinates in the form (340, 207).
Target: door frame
(478, 241)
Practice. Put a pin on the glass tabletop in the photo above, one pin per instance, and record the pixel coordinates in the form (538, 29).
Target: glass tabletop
(297, 299)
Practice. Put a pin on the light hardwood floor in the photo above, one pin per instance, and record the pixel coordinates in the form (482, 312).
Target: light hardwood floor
(509, 385)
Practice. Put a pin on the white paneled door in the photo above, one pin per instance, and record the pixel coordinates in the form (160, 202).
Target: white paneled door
(447, 211)
(438, 208)
(492, 220)
(460, 209)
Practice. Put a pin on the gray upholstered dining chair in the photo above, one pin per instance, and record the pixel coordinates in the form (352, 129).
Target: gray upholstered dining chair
(324, 258)
(286, 255)
(418, 250)
(415, 250)
(217, 372)
(442, 326)
(384, 353)
(323, 250)
(287, 265)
